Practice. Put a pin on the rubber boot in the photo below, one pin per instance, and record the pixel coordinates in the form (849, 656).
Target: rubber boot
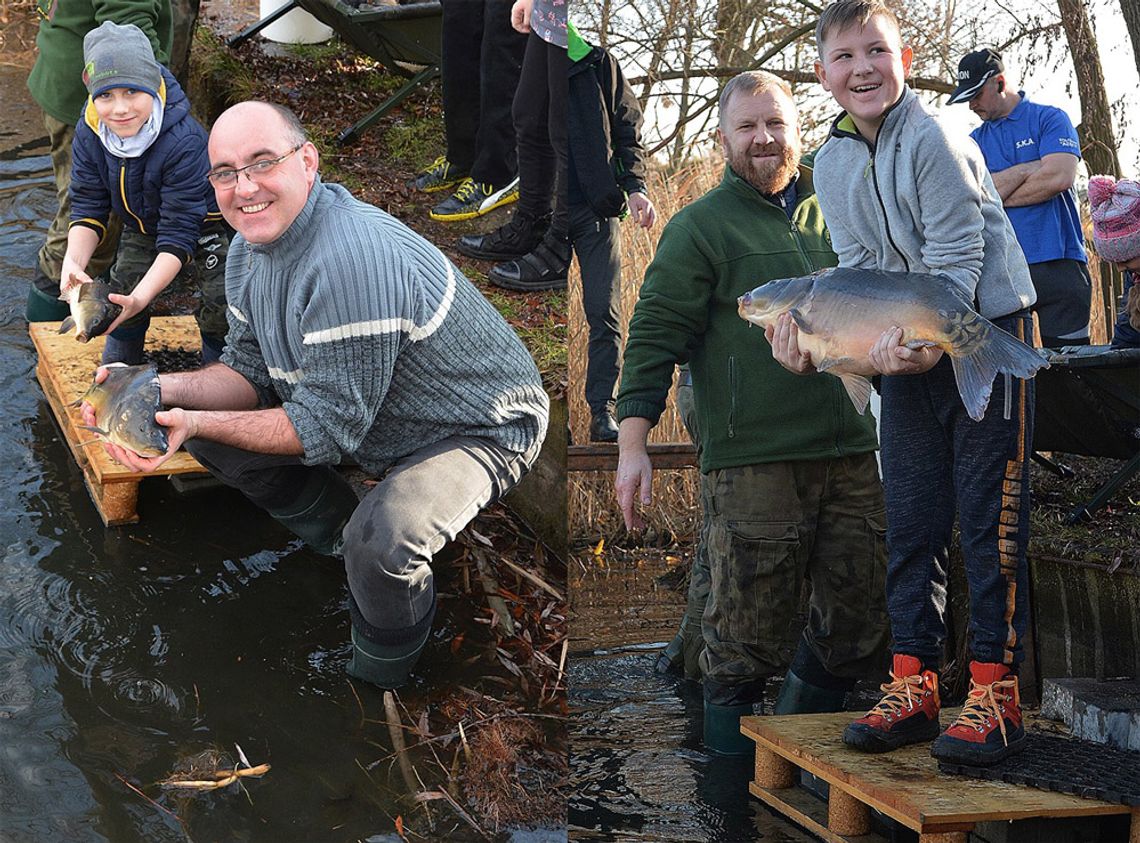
(212, 348)
(672, 658)
(125, 345)
(319, 513)
(388, 666)
(800, 697)
(42, 307)
(722, 729)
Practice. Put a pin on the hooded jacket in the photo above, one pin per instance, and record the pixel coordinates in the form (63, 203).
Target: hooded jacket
(603, 121)
(919, 200)
(163, 193)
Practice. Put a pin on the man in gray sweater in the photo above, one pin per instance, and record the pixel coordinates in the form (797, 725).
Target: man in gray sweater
(351, 339)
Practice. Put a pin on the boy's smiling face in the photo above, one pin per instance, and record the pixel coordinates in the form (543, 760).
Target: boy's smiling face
(123, 110)
(865, 70)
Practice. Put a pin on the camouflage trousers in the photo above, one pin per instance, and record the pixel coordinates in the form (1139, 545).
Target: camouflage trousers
(55, 247)
(204, 278)
(772, 528)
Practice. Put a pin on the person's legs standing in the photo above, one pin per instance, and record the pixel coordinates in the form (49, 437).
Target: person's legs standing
(597, 244)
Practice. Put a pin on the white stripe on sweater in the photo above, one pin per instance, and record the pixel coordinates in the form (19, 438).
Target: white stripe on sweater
(289, 377)
(377, 327)
(240, 316)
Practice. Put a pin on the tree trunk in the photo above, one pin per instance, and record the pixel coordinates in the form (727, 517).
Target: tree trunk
(1098, 144)
(1131, 12)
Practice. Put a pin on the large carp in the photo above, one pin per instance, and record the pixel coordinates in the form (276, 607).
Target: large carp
(840, 313)
(125, 404)
(91, 310)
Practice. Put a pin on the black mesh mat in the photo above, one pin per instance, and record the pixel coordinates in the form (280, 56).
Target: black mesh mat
(1083, 768)
(173, 359)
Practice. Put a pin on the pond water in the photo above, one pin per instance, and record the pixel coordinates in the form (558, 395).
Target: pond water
(126, 652)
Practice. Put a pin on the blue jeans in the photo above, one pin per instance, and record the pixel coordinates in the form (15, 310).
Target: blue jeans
(936, 460)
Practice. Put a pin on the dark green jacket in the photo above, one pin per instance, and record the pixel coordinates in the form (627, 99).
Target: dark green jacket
(749, 408)
(56, 80)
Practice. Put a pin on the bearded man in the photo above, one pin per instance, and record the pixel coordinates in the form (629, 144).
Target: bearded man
(789, 481)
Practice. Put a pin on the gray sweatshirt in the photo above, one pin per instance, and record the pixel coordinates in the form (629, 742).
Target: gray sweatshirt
(372, 341)
(921, 200)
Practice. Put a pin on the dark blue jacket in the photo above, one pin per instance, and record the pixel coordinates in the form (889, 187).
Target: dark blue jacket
(163, 193)
(1123, 334)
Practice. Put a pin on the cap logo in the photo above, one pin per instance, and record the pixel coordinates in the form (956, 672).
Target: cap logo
(963, 75)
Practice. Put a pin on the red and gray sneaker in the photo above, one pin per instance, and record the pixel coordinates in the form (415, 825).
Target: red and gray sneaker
(989, 728)
(907, 713)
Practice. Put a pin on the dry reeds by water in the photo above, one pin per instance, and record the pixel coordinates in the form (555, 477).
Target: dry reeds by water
(593, 507)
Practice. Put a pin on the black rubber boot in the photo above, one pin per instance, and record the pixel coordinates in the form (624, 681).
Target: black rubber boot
(319, 513)
(42, 307)
(388, 666)
(722, 729)
(517, 237)
(603, 427)
(799, 697)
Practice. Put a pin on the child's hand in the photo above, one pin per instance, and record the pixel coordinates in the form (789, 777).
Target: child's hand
(132, 304)
(890, 357)
(520, 16)
(784, 337)
(71, 276)
(642, 210)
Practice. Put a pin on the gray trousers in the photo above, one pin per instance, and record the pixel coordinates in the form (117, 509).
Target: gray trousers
(417, 507)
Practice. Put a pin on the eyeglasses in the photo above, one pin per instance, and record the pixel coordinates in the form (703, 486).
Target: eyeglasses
(254, 172)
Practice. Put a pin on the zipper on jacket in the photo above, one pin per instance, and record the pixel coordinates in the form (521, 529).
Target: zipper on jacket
(123, 193)
(731, 397)
(883, 208)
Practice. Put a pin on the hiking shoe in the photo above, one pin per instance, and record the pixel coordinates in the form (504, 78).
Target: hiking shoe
(441, 175)
(545, 268)
(907, 713)
(473, 199)
(520, 235)
(989, 728)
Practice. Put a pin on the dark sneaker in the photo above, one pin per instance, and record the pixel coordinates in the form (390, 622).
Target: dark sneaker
(603, 428)
(473, 199)
(989, 728)
(441, 175)
(545, 268)
(907, 713)
(519, 236)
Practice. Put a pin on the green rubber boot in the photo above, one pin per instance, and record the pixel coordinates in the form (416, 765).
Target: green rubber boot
(319, 513)
(384, 665)
(722, 729)
(42, 307)
(799, 697)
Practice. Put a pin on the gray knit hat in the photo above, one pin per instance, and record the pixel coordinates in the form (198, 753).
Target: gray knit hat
(117, 56)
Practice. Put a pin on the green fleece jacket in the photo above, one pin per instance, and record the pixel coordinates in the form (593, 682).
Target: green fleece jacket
(56, 80)
(750, 409)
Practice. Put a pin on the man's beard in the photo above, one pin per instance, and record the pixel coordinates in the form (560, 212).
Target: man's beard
(768, 177)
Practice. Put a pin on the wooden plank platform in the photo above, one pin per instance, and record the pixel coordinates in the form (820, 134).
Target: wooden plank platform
(604, 456)
(904, 785)
(64, 370)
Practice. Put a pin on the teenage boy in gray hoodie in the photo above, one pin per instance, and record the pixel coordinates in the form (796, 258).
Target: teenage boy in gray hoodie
(898, 193)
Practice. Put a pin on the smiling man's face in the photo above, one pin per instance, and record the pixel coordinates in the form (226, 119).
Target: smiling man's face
(260, 207)
(761, 139)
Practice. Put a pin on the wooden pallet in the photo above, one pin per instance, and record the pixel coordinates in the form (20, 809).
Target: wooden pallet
(64, 370)
(904, 785)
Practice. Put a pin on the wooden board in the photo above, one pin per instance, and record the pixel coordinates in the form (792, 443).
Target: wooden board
(905, 784)
(64, 370)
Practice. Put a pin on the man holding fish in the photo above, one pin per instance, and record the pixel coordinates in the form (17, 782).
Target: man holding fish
(791, 485)
(352, 339)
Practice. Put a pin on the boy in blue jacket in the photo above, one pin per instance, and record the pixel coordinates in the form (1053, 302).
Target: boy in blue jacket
(138, 152)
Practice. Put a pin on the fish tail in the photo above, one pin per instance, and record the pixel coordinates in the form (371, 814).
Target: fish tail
(993, 351)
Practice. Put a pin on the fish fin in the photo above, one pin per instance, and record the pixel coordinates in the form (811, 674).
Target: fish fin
(858, 390)
(998, 352)
(831, 362)
(801, 321)
(913, 344)
(66, 325)
(98, 430)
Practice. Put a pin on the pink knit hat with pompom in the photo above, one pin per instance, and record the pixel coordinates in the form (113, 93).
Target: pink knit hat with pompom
(1116, 217)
